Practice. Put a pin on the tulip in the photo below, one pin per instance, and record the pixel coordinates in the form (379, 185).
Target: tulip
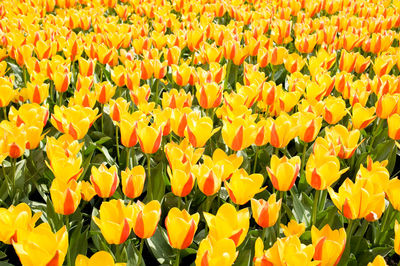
(199, 130)
(183, 75)
(310, 125)
(347, 61)
(229, 164)
(294, 62)
(222, 252)
(347, 140)
(84, 83)
(149, 137)
(306, 43)
(335, 110)
(132, 79)
(266, 213)
(378, 261)
(86, 67)
(141, 94)
(362, 116)
(282, 130)
(7, 93)
(234, 52)
(65, 196)
(40, 246)
(128, 127)
(228, 223)
(117, 108)
(115, 221)
(37, 92)
(383, 64)
(208, 176)
(397, 237)
(16, 218)
(66, 168)
(145, 218)
(175, 99)
(133, 181)
(183, 152)
(329, 244)
(283, 172)
(211, 53)
(359, 200)
(182, 181)
(104, 92)
(209, 95)
(392, 191)
(87, 191)
(14, 139)
(238, 134)
(322, 169)
(29, 113)
(23, 54)
(362, 63)
(181, 227)
(172, 55)
(293, 228)
(375, 172)
(394, 126)
(386, 105)
(99, 258)
(194, 39)
(61, 80)
(242, 186)
(280, 32)
(118, 75)
(105, 181)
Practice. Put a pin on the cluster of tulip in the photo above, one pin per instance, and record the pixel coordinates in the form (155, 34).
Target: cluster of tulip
(229, 124)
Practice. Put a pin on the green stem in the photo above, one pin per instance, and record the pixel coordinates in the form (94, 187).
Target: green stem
(179, 202)
(68, 227)
(178, 256)
(157, 82)
(116, 137)
(128, 157)
(278, 223)
(255, 160)
(228, 70)
(234, 75)
(60, 97)
(315, 207)
(13, 163)
(149, 189)
(102, 118)
(140, 251)
(303, 159)
(264, 234)
(321, 204)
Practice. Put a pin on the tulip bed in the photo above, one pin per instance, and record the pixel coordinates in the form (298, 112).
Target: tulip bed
(206, 132)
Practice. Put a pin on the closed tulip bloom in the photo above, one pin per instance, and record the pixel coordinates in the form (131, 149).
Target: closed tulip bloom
(16, 218)
(115, 221)
(183, 75)
(208, 176)
(228, 223)
(105, 181)
(282, 130)
(266, 213)
(132, 79)
(128, 127)
(310, 125)
(347, 140)
(7, 92)
(293, 228)
(66, 168)
(378, 261)
(362, 63)
(362, 116)
(174, 99)
(172, 55)
(23, 54)
(283, 172)
(145, 218)
(104, 92)
(209, 95)
(61, 80)
(229, 163)
(118, 75)
(392, 191)
(14, 139)
(376, 172)
(335, 110)
(386, 105)
(87, 191)
(200, 130)
(216, 253)
(40, 246)
(65, 196)
(182, 181)
(329, 244)
(149, 137)
(383, 64)
(238, 134)
(183, 152)
(133, 181)
(347, 61)
(294, 62)
(37, 92)
(117, 108)
(86, 67)
(181, 227)
(394, 126)
(242, 186)
(359, 200)
(99, 258)
(306, 43)
(323, 169)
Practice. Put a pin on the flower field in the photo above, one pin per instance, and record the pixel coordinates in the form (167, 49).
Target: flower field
(209, 132)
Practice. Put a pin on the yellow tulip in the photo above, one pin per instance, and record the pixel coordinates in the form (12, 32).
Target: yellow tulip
(329, 244)
(65, 196)
(293, 228)
(7, 92)
(387, 105)
(86, 67)
(133, 181)
(61, 80)
(283, 172)
(104, 92)
(228, 223)
(66, 168)
(115, 221)
(87, 191)
(345, 139)
(145, 218)
(392, 190)
(242, 186)
(397, 237)
(378, 261)
(181, 227)
(362, 116)
(216, 253)
(266, 213)
(105, 181)
(209, 95)
(40, 246)
(37, 92)
(310, 125)
(149, 137)
(175, 99)
(182, 181)
(199, 130)
(335, 110)
(238, 134)
(209, 176)
(16, 218)
(99, 258)
(394, 126)
(117, 108)
(14, 138)
(281, 130)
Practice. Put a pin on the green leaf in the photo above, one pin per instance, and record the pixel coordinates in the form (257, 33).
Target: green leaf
(246, 251)
(370, 254)
(157, 184)
(159, 246)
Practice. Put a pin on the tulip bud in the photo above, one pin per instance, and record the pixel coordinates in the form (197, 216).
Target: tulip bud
(87, 191)
(104, 92)
(145, 218)
(283, 172)
(181, 227)
(65, 196)
(293, 228)
(182, 181)
(105, 181)
(266, 213)
(133, 181)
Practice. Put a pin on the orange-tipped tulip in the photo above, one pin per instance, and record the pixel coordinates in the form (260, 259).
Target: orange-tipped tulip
(283, 172)
(181, 227)
(65, 196)
(242, 186)
(105, 181)
(266, 213)
(329, 244)
(149, 137)
(133, 181)
(145, 218)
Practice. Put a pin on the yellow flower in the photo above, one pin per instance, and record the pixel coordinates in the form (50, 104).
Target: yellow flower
(238, 134)
(105, 181)
(394, 126)
(293, 228)
(104, 91)
(228, 223)
(149, 137)
(397, 237)
(181, 227)
(345, 139)
(329, 244)
(115, 221)
(199, 130)
(133, 181)
(99, 258)
(145, 218)
(242, 186)
(40, 246)
(216, 253)
(65, 196)
(266, 213)
(362, 116)
(283, 172)
(378, 261)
